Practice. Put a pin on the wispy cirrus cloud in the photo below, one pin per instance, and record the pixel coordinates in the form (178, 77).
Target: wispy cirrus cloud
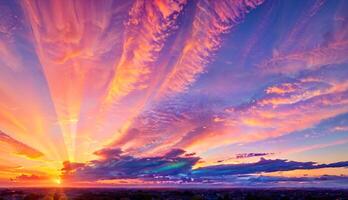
(148, 27)
(333, 53)
(217, 18)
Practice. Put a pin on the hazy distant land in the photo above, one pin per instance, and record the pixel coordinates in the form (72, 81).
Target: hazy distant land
(170, 194)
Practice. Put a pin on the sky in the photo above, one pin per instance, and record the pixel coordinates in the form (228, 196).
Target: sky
(174, 93)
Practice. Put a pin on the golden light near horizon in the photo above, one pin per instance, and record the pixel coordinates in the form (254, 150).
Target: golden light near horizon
(58, 181)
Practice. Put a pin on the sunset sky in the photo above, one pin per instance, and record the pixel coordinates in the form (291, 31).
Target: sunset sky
(151, 93)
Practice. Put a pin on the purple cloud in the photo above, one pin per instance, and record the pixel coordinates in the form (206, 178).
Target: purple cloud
(249, 155)
(117, 166)
(176, 166)
(263, 165)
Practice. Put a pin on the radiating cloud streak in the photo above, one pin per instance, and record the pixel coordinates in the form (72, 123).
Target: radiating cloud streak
(73, 39)
(18, 147)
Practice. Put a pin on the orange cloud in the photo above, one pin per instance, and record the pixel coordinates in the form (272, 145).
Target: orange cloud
(19, 147)
(145, 34)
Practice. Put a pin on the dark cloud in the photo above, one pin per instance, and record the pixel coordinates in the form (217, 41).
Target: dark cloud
(175, 153)
(249, 155)
(245, 155)
(114, 165)
(263, 165)
(175, 166)
(190, 154)
(109, 153)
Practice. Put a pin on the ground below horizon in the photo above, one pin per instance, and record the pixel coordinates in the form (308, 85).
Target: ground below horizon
(170, 194)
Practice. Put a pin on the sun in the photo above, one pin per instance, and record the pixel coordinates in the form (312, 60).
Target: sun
(58, 181)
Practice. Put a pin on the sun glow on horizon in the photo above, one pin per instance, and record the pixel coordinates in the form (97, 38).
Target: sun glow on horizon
(57, 181)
